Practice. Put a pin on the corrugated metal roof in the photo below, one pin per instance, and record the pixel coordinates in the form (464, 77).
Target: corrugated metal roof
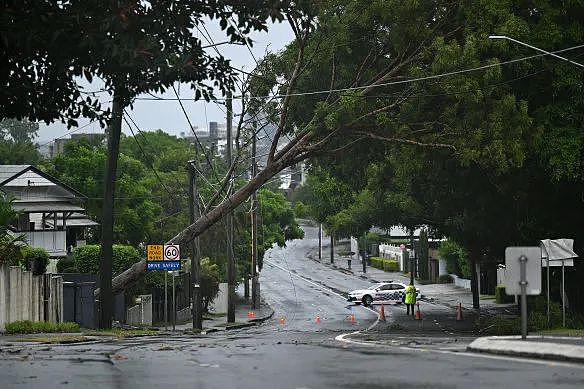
(7, 171)
(45, 206)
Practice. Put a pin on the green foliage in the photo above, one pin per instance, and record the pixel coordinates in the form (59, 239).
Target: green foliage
(11, 246)
(16, 142)
(455, 257)
(36, 259)
(501, 297)
(210, 278)
(87, 258)
(388, 265)
(301, 210)
(108, 40)
(36, 327)
(67, 265)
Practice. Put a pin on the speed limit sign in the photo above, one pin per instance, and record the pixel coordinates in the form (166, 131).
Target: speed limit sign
(171, 252)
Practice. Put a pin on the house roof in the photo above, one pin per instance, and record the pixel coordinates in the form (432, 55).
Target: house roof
(23, 175)
(45, 206)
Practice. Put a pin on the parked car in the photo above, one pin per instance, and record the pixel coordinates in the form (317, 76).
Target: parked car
(381, 293)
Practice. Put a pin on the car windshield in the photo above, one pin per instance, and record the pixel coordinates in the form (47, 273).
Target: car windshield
(374, 287)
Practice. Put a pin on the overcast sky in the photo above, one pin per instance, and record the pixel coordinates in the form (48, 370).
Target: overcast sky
(167, 115)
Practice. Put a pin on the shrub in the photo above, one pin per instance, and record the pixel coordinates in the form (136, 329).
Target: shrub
(445, 279)
(210, 278)
(390, 265)
(87, 258)
(301, 210)
(35, 327)
(66, 265)
(501, 297)
(36, 259)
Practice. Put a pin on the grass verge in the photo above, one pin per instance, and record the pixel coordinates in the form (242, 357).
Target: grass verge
(56, 339)
(121, 333)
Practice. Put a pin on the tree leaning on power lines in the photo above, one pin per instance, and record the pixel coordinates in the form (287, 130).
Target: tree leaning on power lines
(133, 47)
(345, 111)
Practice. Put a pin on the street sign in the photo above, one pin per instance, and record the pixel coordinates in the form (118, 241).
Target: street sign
(163, 265)
(513, 256)
(155, 252)
(171, 252)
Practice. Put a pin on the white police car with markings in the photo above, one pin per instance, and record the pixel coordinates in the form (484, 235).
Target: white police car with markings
(383, 292)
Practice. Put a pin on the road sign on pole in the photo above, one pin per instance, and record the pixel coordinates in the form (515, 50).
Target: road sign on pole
(532, 268)
(155, 252)
(163, 257)
(171, 252)
(523, 268)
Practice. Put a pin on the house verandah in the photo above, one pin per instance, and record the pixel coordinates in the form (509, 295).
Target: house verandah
(52, 214)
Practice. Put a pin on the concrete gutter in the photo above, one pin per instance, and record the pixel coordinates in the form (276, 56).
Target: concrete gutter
(540, 347)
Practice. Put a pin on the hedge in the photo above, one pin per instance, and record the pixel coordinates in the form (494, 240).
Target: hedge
(36, 327)
(87, 258)
(389, 265)
(501, 297)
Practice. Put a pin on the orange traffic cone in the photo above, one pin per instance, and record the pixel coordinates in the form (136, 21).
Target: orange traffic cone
(249, 314)
(382, 313)
(459, 312)
(317, 320)
(282, 321)
(352, 318)
(418, 314)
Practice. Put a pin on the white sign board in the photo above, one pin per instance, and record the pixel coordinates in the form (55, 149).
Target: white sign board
(171, 252)
(532, 270)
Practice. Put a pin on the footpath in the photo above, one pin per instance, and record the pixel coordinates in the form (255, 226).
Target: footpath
(245, 316)
(439, 327)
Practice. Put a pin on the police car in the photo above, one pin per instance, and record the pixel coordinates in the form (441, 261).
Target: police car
(383, 292)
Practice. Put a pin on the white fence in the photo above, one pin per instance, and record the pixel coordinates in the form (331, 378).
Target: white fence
(27, 297)
(141, 314)
(394, 252)
(461, 282)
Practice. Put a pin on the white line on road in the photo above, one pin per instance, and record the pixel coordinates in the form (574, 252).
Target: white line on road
(343, 338)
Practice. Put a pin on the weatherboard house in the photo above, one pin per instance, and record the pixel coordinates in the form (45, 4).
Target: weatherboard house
(52, 215)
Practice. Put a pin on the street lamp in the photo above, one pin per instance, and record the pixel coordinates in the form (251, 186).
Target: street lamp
(535, 48)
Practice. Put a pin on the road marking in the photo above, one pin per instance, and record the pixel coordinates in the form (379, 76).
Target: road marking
(342, 338)
(328, 290)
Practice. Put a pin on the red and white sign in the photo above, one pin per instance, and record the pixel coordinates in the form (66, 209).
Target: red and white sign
(171, 252)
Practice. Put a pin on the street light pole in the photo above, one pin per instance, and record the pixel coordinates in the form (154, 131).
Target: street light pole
(535, 48)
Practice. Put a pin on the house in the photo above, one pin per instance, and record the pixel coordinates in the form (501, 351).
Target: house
(52, 213)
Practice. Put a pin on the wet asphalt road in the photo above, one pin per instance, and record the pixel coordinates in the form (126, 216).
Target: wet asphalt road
(300, 353)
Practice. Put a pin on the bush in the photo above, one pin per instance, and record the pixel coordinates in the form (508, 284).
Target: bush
(301, 210)
(35, 327)
(389, 265)
(210, 278)
(67, 265)
(501, 297)
(36, 259)
(445, 279)
(87, 258)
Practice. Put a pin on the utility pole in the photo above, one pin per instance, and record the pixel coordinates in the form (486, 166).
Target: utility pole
(332, 248)
(229, 219)
(319, 241)
(255, 285)
(106, 297)
(194, 213)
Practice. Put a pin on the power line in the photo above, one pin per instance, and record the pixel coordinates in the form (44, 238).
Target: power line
(406, 81)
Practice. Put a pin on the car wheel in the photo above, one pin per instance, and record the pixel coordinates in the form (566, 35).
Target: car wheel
(367, 300)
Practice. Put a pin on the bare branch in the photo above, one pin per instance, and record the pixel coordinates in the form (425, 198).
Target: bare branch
(405, 140)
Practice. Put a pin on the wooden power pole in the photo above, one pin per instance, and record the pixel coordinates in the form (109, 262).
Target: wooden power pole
(255, 285)
(229, 219)
(194, 213)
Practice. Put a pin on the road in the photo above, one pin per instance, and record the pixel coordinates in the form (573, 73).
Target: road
(292, 350)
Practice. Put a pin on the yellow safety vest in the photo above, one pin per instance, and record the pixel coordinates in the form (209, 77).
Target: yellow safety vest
(410, 294)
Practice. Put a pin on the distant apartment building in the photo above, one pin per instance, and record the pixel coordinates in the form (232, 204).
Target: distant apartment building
(58, 146)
